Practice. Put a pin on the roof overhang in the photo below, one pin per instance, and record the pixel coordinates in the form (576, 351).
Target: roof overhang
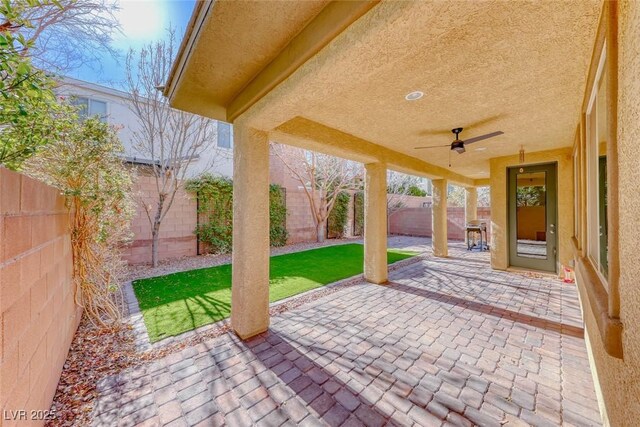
(345, 67)
(231, 56)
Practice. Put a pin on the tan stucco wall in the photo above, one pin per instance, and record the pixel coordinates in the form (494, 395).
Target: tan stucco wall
(499, 203)
(250, 256)
(439, 218)
(375, 223)
(619, 379)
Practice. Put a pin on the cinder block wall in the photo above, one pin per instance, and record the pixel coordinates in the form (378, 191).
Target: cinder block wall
(417, 222)
(176, 232)
(300, 223)
(37, 310)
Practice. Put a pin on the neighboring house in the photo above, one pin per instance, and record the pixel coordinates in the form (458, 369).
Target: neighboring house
(115, 107)
(176, 233)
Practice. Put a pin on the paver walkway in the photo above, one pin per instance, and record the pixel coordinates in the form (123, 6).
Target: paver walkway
(446, 342)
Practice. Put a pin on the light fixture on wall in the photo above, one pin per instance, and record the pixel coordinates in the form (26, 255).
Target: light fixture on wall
(522, 154)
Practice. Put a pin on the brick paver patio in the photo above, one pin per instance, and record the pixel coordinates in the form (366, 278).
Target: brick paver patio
(446, 342)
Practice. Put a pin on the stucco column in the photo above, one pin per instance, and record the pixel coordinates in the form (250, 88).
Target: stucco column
(250, 259)
(375, 223)
(470, 206)
(439, 218)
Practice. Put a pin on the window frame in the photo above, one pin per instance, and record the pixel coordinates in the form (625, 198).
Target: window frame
(577, 190)
(591, 159)
(90, 100)
(230, 130)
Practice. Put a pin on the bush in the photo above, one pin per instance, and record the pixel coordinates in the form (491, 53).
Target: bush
(215, 207)
(358, 201)
(28, 107)
(278, 233)
(414, 190)
(337, 220)
(84, 162)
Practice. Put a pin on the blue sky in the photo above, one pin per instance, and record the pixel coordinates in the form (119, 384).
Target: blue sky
(142, 21)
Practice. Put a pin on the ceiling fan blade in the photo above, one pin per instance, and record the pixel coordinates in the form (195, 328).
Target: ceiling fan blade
(432, 146)
(482, 137)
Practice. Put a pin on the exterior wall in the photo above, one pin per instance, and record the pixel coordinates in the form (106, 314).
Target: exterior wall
(410, 201)
(499, 204)
(618, 379)
(37, 310)
(300, 223)
(417, 222)
(176, 232)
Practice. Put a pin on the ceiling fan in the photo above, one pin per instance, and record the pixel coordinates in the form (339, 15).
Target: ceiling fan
(458, 144)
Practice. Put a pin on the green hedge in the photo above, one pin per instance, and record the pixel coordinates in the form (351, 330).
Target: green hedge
(358, 201)
(215, 208)
(338, 217)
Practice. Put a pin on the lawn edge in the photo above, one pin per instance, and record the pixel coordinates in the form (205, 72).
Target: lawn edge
(270, 256)
(216, 329)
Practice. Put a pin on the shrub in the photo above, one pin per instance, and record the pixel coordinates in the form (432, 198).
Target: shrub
(358, 228)
(414, 190)
(215, 207)
(337, 220)
(84, 162)
(278, 233)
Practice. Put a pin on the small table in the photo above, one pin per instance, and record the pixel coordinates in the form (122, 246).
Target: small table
(480, 229)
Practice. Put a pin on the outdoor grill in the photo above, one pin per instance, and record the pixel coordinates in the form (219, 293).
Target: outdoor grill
(476, 232)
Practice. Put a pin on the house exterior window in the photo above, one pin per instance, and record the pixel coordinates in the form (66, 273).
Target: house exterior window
(577, 188)
(224, 135)
(596, 159)
(90, 107)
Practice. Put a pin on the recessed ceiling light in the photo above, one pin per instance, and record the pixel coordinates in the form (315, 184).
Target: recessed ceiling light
(413, 96)
(480, 148)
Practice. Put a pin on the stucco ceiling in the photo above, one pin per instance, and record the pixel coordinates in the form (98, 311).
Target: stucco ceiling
(519, 67)
(511, 66)
(239, 40)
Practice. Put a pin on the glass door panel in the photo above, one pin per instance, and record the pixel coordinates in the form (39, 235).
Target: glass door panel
(532, 217)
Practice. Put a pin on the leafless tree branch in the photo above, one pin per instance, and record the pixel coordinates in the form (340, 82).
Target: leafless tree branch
(323, 178)
(172, 139)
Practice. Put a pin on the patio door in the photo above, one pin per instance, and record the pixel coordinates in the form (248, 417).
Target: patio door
(532, 217)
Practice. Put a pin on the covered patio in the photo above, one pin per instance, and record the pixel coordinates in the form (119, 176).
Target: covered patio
(556, 85)
(446, 342)
(342, 77)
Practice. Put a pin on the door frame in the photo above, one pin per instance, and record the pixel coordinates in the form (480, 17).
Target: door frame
(551, 210)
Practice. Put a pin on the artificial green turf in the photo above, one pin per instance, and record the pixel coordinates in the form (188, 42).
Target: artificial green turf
(180, 302)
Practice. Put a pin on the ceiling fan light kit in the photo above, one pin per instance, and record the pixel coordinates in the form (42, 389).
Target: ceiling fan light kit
(458, 145)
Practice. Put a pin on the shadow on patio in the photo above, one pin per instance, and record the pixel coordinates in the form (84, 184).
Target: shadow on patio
(447, 341)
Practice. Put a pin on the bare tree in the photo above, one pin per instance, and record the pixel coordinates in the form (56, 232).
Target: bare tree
(67, 34)
(399, 187)
(323, 178)
(484, 196)
(172, 140)
(456, 195)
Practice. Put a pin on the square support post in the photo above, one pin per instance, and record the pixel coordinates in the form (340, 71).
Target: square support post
(375, 223)
(250, 258)
(439, 218)
(470, 206)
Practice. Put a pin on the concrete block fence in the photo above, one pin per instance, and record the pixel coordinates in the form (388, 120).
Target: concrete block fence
(416, 221)
(37, 310)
